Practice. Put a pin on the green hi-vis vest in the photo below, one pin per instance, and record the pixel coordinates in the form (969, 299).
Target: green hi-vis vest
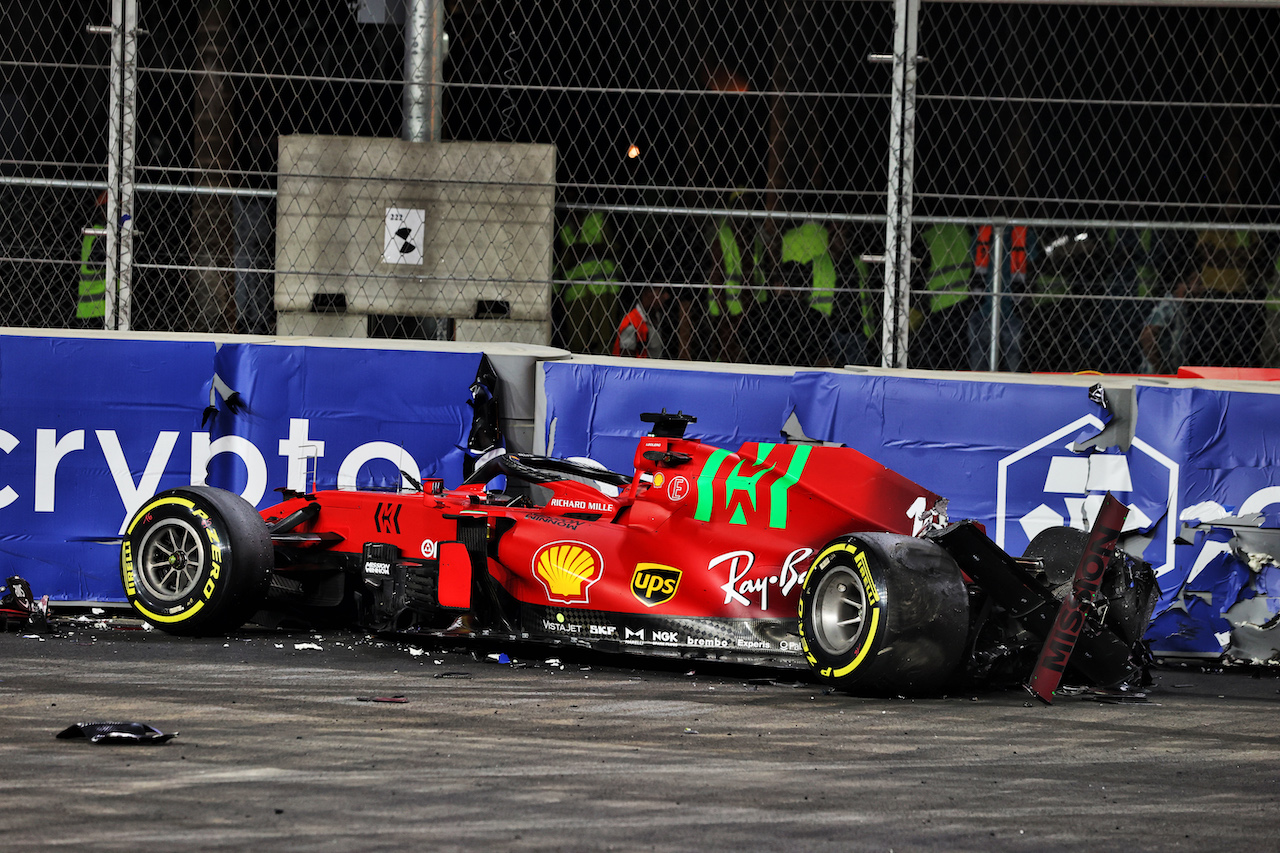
(731, 258)
(950, 266)
(91, 301)
(1146, 271)
(595, 271)
(805, 244)
(866, 308)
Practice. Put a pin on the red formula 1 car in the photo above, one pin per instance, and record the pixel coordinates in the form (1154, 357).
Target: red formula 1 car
(788, 555)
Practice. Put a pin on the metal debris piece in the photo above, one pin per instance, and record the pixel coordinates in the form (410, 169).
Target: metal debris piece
(115, 733)
(19, 606)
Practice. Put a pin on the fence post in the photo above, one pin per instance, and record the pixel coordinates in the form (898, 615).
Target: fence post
(902, 119)
(997, 285)
(423, 70)
(121, 131)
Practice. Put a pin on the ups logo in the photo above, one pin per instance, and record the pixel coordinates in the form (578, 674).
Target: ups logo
(654, 583)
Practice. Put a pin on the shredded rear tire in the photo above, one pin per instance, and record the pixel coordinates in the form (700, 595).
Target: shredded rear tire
(884, 612)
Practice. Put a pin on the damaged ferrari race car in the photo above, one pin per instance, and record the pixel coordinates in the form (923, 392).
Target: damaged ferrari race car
(786, 555)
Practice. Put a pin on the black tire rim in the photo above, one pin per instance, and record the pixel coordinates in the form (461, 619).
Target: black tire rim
(840, 608)
(172, 559)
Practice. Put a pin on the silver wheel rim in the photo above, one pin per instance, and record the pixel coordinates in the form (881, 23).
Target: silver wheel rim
(170, 560)
(840, 605)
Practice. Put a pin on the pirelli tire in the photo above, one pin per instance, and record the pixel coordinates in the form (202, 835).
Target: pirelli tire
(881, 612)
(196, 561)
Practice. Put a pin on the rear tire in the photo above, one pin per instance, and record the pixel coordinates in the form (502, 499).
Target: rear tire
(196, 561)
(884, 612)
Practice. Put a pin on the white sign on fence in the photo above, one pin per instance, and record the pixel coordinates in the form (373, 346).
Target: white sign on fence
(402, 240)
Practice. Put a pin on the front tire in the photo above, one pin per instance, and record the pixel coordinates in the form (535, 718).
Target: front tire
(196, 561)
(884, 612)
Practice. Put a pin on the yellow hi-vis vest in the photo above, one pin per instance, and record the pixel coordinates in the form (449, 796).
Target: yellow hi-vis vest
(866, 305)
(595, 273)
(807, 244)
(731, 260)
(950, 266)
(91, 298)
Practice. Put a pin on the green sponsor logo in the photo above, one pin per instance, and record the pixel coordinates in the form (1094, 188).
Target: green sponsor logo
(776, 468)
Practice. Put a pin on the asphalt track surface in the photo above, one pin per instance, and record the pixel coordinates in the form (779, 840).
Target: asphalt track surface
(276, 751)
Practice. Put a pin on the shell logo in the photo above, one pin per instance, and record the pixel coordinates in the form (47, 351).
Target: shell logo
(567, 570)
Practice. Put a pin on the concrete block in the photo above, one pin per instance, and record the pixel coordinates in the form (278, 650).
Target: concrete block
(513, 331)
(476, 217)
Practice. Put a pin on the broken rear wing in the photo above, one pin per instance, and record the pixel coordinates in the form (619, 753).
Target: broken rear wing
(1083, 598)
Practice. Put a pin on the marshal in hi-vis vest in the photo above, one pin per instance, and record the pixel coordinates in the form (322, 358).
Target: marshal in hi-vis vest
(807, 244)
(593, 270)
(91, 297)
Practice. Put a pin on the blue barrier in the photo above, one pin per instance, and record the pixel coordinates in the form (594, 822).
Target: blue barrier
(1016, 473)
(92, 426)
(1224, 445)
(1001, 451)
(357, 417)
(593, 407)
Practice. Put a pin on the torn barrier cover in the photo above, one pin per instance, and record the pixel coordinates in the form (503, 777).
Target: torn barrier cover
(1255, 627)
(1226, 463)
(1230, 605)
(338, 416)
(1100, 406)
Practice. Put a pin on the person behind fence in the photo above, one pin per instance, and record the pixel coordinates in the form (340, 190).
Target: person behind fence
(859, 290)
(939, 321)
(1131, 264)
(254, 221)
(728, 306)
(640, 333)
(1233, 276)
(1270, 354)
(587, 301)
(91, 288)
(1165, 333)
(794, 323)
(1018, 254)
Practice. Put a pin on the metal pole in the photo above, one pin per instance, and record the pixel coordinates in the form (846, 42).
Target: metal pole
(897, 263)
(423, 70)
(121, 129)
(997, 276)
(424, 45)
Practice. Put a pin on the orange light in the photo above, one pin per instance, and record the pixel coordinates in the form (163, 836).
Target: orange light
(633, 152)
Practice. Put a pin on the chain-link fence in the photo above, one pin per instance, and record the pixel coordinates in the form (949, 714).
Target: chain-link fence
(1090, 185)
